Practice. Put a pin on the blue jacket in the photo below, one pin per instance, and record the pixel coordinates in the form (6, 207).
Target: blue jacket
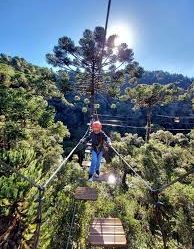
(97, 140)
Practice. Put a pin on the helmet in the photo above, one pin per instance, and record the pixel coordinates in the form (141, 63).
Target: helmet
(96, 125)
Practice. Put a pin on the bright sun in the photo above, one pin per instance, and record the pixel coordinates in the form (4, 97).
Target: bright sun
(124, 32)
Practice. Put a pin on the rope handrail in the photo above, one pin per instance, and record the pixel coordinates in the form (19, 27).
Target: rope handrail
(31, 181)
(119, 155)
(159, 190)
(64, 162)
(165, 186)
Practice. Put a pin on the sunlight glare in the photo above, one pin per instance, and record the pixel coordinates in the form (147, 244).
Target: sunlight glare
(124, 32)
(111, 179)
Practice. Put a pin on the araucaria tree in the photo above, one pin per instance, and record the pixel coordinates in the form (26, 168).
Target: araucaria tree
(150, 96)
(98, 64)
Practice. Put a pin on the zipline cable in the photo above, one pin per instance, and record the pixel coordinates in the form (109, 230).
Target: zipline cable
(166, 116)
(105, 32)
(143, 127)
(168, 129)
(107, 18)
(124, 126)
(103, 45)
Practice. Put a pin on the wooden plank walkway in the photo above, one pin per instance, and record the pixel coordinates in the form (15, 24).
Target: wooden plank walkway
(107, 232)
(86, 164)
(104, 176)
(85, 193)
(108, 176)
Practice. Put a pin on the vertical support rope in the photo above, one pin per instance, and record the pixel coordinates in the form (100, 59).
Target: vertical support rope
(71, 226)
(39, 218)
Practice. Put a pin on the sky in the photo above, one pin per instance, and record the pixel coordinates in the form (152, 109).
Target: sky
(161, 32)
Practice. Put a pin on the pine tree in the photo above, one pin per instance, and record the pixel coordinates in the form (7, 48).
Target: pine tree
(96, 63)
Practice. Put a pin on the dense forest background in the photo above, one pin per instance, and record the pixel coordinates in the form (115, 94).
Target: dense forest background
(43, 114)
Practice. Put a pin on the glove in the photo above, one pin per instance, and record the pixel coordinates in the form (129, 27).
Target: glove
(82, 140)
(109, 144)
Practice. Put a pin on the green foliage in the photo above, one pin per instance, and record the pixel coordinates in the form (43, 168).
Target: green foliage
(163, 78)
(6, 73)
(162, 160)
(30, 142)
(151, 95)
(16, 72)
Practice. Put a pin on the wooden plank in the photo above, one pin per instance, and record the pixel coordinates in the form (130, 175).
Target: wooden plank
(106, 221)
(85, 193)
(107, 232)
(104, 177)
(86, 163)
(107, 240)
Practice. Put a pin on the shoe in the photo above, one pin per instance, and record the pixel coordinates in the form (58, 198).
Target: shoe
(90, 179)
(97, 174)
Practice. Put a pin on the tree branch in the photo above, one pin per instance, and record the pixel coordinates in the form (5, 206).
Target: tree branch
(119, 65)
(70, 69)
(79, 59)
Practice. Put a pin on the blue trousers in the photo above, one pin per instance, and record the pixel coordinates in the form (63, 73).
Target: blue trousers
(95, 163)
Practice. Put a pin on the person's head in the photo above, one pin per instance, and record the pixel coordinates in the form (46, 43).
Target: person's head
(96, 126)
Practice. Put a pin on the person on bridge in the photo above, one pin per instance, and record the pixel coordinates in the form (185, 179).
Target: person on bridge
(98, 138)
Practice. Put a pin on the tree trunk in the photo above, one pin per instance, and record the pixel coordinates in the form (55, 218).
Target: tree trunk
(124, 184)
(148, 127)
(164, 238)
(12, 228)
(160, 222)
